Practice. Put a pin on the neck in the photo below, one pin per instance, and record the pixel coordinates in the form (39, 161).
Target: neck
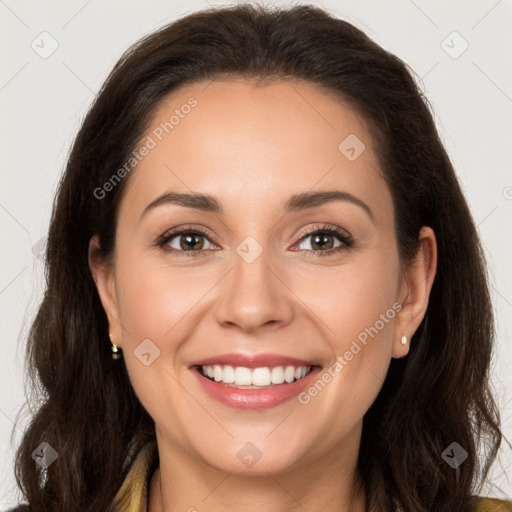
(330, 482)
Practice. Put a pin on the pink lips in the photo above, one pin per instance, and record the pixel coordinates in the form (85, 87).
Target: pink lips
(254, 399)
(253, 360)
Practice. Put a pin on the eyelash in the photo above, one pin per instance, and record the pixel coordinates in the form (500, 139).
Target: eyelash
(343, 236)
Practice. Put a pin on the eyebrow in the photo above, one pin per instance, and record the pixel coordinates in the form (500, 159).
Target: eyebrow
(295, 203)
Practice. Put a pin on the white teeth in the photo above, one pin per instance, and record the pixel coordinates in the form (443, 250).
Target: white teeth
(228, 375)
(259, 377)
(289, 374)
(243, 376)
(217, 373)
(277, 375)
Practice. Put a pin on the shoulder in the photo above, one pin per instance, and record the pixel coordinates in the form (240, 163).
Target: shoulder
(492, 505)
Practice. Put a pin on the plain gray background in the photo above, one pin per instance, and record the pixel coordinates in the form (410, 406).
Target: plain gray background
(460, 51)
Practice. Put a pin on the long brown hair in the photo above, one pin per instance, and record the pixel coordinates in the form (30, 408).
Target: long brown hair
(438, 394)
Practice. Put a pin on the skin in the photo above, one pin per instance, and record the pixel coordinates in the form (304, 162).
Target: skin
(252, 147)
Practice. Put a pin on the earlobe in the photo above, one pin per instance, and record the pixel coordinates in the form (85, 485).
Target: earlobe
(104, 277)
(415, 288)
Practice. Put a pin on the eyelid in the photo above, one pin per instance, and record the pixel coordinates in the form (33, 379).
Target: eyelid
(336, 230)
(343, 235)
(166, 237)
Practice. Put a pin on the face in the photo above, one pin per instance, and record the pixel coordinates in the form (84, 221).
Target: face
(274, 271)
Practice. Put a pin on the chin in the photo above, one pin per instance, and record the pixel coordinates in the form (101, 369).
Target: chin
(252, 458)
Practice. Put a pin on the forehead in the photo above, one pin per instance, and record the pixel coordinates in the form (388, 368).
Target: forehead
(252, 144)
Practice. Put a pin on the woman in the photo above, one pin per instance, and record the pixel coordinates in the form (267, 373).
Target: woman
(258, 370)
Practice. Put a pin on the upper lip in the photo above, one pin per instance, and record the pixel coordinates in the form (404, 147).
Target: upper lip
(247, 360)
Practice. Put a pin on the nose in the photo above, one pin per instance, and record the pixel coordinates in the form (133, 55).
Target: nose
(254, 295)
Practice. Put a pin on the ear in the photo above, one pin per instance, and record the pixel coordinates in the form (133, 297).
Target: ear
(103, 274)
(414, 291)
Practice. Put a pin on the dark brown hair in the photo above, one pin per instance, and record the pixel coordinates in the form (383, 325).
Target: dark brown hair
(438, 394)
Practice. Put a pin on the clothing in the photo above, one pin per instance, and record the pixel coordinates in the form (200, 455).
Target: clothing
(133, 494)
(492, 505)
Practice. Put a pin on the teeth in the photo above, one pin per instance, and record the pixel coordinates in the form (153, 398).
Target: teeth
(256, 377)
(261, 377)
(289, 374)
(228, 375)
(277, 375)
(243, 376)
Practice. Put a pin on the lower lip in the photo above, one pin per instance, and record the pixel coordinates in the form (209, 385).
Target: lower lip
(255, 399)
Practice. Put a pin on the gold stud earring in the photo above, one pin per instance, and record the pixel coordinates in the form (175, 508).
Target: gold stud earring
(403, 341)
(115, 349)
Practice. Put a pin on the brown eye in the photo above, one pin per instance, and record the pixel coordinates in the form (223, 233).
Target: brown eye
(323, 240)
(190, 241)
(185, 242)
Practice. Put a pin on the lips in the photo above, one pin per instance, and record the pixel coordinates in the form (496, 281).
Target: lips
(226, 378)
(247, 360)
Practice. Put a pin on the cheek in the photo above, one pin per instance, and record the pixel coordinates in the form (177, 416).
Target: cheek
(364, 328)
(356, 301)
(359, 309)
(153, 299)
(357, 305)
